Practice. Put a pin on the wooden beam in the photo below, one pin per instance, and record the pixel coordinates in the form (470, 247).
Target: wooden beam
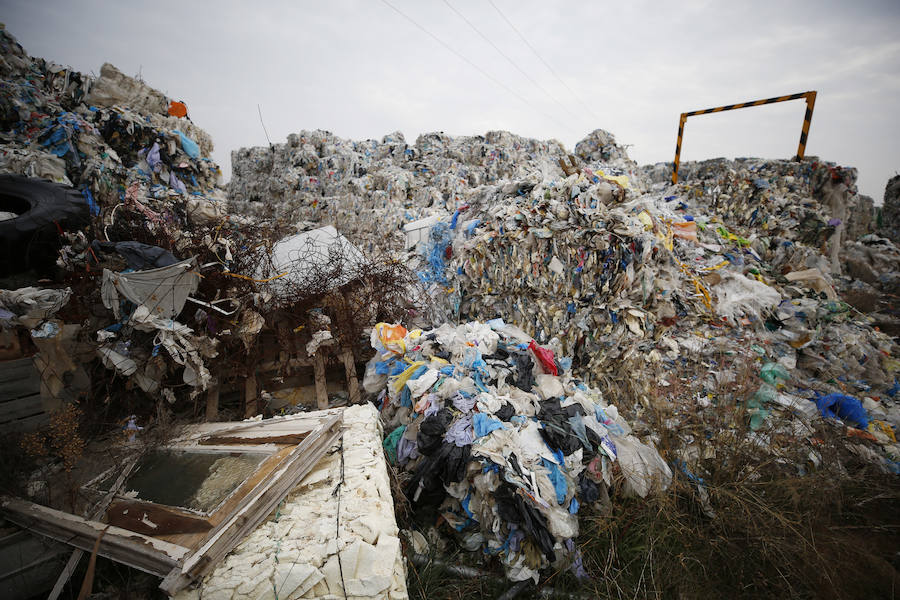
(127, 547)
(95, 514)
(153, 519)
(212, 400)
(291, 424)
(286, 438)
(256, 506)
(352, 380)
(291, 364)
(321, 385)
(250, 396)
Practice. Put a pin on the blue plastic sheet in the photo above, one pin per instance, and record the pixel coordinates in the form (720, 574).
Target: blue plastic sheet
(89, 198)
(418, 373)
(557, 479)
(406, 397)
(454, 219)
(483, 424)
(613, 427)
(846, 408)
(435, 254)
(189, 146)
(390, 367)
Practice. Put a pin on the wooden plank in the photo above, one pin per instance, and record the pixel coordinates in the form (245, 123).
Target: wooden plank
(288, 424)
(96, 513)
(352, 380)
(127, 547)
(250, 396)
(21, 368)
(255, 507)
(26, 424)
(321, 388)
(153, 519)
(286, 438)
(27, 406)
(212, 401)
(16, 388)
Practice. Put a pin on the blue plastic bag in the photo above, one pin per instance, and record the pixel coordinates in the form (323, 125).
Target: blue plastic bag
(189, 146)
(843, 407)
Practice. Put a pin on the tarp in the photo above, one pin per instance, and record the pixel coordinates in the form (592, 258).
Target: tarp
(305, 254)
(163, 291)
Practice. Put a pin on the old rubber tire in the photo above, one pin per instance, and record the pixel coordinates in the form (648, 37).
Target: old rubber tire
(31, 239)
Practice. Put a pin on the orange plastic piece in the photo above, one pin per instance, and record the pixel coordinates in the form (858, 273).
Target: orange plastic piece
(177, 109)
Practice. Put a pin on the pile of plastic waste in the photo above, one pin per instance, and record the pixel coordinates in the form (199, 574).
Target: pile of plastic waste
(653, 289)
(499, 434)
(166, 286)
(150, 195)
(371, 189)
(102, 135)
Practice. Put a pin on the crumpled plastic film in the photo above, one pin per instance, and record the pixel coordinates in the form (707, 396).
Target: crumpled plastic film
(503, 461)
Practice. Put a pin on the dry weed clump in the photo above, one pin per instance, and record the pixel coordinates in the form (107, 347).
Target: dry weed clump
(61, 440)
(782, 512)
(775, 534)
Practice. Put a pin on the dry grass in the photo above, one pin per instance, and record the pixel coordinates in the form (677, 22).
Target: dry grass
(767, 522)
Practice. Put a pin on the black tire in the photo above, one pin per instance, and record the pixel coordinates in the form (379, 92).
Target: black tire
(31, 239)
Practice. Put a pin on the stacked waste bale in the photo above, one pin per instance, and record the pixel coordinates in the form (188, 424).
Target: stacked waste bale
(370, 189)
(617, 267)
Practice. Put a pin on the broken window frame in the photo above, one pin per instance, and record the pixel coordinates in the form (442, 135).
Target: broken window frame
(180, 564)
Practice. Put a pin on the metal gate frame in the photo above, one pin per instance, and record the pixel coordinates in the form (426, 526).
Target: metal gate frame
(801, 149)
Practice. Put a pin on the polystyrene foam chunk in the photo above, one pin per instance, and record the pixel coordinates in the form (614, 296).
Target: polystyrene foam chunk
(350, 557)
(218, 594)
(264, 592)
(387, 546)
(332, 572)
(366, 527)
(320, 590)
(295, 579)
(368, 587)
(253, 580)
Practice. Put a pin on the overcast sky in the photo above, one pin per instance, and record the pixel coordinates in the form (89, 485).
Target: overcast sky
(361, 69)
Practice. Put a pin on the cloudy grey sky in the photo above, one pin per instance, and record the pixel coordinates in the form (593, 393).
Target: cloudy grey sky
(361, 69)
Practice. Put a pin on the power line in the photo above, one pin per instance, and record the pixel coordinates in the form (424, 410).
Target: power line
(541, 58)
(508, 59)
(259, 110)
(472, 64)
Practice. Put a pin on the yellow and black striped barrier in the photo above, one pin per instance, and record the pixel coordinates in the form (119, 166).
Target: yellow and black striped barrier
(801, 149)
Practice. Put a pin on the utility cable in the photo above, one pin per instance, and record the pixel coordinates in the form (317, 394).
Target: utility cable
(509, 60)
(472, 64)
(259, 110)
(546, 64)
